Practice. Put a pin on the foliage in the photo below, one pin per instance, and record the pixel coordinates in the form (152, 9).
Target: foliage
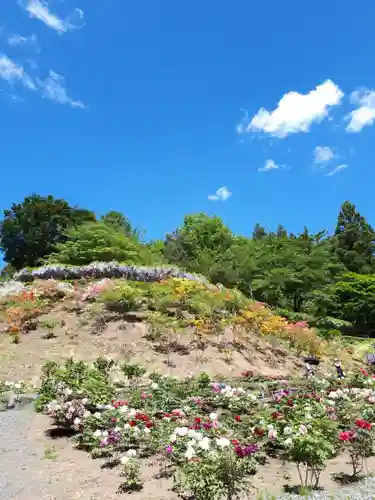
(354, 240)
(100, 242)
(351, 299)
(31, 230)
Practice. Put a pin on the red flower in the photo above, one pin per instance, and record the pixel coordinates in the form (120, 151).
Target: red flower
(363, 424)
(347, 436)
(276, 415)
(149, 425)
(132, 423)
(259, 431)
(290, 402)
(238, 418)
(198, 420)
(113, 419)
(235, 442)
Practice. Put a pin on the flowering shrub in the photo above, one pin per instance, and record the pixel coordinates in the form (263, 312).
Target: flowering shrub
(358, 442)
(211, 435)
(104, 270)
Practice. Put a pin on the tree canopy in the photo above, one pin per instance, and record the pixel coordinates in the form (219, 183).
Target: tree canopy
(314, 275)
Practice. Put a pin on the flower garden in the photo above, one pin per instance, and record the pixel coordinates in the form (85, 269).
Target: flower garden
(211, 435)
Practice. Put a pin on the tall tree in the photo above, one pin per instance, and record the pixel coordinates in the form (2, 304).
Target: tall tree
(354, 240)
(259, 232)
(199, 243)
(31, 230)
(120, 222)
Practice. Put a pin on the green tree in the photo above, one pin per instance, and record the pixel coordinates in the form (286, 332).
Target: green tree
(199, 243)
(100, 242)
(354, 240)
(351, 299)
(259, 232)
(120, 222)
(31, 230)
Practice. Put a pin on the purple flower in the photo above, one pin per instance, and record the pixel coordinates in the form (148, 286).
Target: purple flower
(169, 450)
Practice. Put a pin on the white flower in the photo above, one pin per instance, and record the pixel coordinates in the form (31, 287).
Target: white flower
(97, 433)
(131, 453)
(124, 409)
(213, 416)
(146, 430)
(117, 428)
(98, 414)
(17, 386)
(288, 431)
(223, 442)
(105, 434)
(8, 384)
(124, 460)
(126, 426)
(288, 442)
(308, 416)
(270, 427)
(132, 412)
(190, 453)
(173, 438)
(302, 429)
(136, 429)
(77, 421)
(154, 385)
(197, 436)
(181, 431)
(86, 414)
(272, 434)
(204, 444)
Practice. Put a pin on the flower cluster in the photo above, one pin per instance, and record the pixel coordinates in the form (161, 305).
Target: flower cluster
(99, 270)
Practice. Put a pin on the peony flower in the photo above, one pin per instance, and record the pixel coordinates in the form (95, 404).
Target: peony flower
(204, 444)
(288, 431)
(213, 416)
(272, 434)
(97, 433)
(302, 429)
(190, 453)
(181, 431)
(223, 442)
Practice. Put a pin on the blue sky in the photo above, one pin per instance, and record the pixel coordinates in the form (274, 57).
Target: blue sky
(254, 111)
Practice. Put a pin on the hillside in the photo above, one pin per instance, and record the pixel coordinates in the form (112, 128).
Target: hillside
(177, 326)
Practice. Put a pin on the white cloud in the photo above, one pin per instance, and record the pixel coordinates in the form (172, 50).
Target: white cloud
(269, 165)
(39, 9)
(296, 112)
(53, 88)
(221, 194)
(12, 73)
(323, 155)
(337, 169)
(365, 113)
(19, 40)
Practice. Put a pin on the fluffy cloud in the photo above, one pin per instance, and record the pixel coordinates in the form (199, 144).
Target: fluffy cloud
(222, 194)
(296, 112)
(53, 88)
(337, 169)
(12, 73)
(39, 9)
(323, 155)
(365, 113)
(269, 165)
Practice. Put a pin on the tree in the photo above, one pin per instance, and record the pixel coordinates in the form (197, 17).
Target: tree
(31, 230)
(100, 242)
(259, 232)
(120, 222)
(351, 299)
(354, 240)
(199, 243)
